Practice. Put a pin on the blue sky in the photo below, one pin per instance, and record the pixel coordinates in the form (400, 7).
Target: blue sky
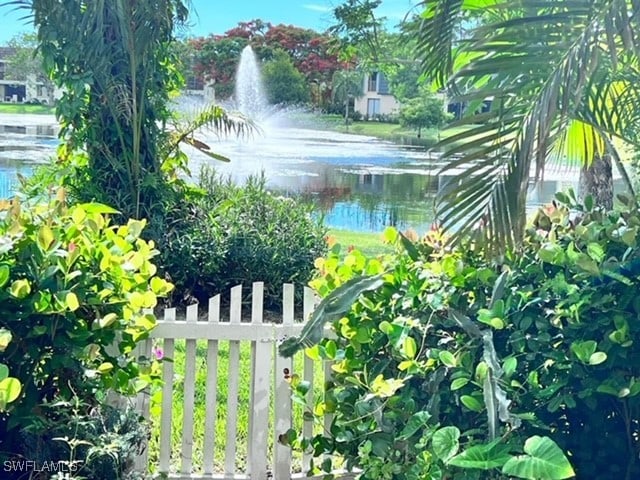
(217, 16)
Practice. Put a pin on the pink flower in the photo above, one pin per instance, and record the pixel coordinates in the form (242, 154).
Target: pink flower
(158, 353)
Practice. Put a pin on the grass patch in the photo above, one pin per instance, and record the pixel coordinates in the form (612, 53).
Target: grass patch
(17, 108)
(386, 131)
(370, 244)
(221, 408)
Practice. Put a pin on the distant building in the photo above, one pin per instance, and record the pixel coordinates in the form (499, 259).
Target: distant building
(20, 91)
(377, 99)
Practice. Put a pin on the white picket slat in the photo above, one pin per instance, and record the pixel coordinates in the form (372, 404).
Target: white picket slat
(260, 394)
(232, 389)
(143, 403)
(167, 397)
(282, 406)
(189, 396)
(307, 428)
(211, 389)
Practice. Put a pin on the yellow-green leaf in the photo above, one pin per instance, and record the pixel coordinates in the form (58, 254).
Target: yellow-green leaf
(72, 301)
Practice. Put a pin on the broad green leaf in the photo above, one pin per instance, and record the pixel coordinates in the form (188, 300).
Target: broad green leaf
(410, 348)
(9, 391)
(446, 442)
(543, 459)
(4, 371)
(597, 358)
(447, 358)
(509, 366)
(472, 403)
(107, 320)
(458, 383)
(45, 237)
(20, 288)
(97, 208)
(105, 367)
(313, 352)
(482, 457)
(5, 339)
(552, 253)
(584, 350)
(333, 306)
(417, 421)
(72, 301)
(390, 235)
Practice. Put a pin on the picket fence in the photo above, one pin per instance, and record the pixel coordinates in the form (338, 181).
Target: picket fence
(269, 374)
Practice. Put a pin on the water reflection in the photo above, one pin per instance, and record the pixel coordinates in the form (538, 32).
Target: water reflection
(357, 182)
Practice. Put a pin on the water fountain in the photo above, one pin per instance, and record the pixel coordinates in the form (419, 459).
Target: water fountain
(250, 96)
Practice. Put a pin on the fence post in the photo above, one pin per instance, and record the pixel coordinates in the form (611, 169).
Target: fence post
(282, 405)
(261, 352)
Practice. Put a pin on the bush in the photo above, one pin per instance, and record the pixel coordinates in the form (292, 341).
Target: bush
(451, 364)
(85, 441)
(72, 294)
(226, 235)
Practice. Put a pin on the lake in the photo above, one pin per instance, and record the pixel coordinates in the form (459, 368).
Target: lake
(358, 182)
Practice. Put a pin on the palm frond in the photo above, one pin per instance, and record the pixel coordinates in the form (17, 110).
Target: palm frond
(547, 65)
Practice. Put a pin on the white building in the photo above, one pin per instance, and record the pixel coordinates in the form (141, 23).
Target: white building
(377, 99)
(20, 91)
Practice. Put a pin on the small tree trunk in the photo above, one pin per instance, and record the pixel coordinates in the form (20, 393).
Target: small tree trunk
(346, 114)
(597, 181)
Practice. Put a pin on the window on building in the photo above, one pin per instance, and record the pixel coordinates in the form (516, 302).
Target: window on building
(39, 91)
(373, 107)
(373, 82)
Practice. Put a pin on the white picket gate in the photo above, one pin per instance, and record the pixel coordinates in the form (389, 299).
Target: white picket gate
(269, 373)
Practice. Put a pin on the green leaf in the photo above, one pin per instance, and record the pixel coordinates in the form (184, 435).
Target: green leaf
(417, 421)
(446, 442)
(509, 366)
(45, 237)
(410, 349)
(333, 306)
(5, 339)
(20, 289)
(584, 350)
(4, 275)
(543, 460)
(597, 358)
(390, 235)
(72, 301)
(97, 208)
(4, 371)
(9, 391)
(471, 403)
(552, 253)
(447, 358)
(107, 320)
(458, 383)
(482, 457)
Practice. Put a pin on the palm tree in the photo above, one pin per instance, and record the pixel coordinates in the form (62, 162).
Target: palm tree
(563, 77)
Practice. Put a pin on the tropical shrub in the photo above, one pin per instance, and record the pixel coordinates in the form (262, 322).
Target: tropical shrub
(451, 366)
(85, 442)
(226, 234)
(73, 294)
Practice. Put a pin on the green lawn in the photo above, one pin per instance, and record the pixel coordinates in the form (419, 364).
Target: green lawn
(13, 108)
(386, 131)
(370, 244)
